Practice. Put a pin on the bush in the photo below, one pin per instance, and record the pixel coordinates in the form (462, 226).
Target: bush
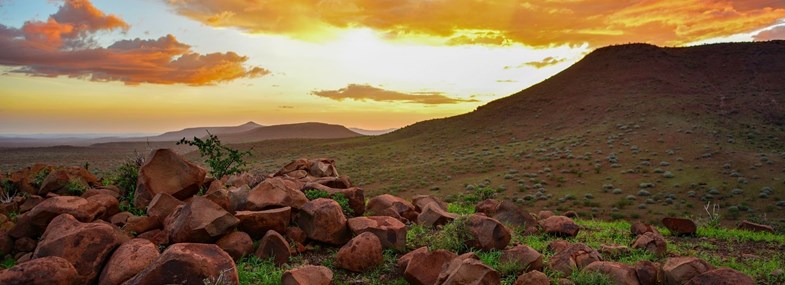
(312, 194)
(40, 176)
(452, 237)
(125, 177)
(221, 159)
(75, 187)
(478, 194)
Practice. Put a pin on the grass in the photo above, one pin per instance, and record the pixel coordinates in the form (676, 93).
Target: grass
(255, 271)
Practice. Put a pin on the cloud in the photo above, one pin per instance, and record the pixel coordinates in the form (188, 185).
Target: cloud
(548, 61)
(63, 45)
(499, 22)
(359, 92)
(776, 33)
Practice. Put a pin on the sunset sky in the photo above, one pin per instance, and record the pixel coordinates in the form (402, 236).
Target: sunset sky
(149, 66)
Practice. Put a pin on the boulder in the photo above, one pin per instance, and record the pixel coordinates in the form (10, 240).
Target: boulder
(341, 182)
(120, 219)
(23, 178)
(640, 228)
(510, 214)
(390, 231)
(468, 272)
(162, 205)
(141, 224)
(129, 259)
(619, 273)
(542, 215)
(296, 234)
(532, 278)
(238, 197)
(679, 270)
(403, 261)
(722, 276)
(651, 242)
(561, 226)
(50, 270)
(59, 178)
(298, 164)
(485, 233)
(524, 256)
(322, 167)
(356, 197)
(164, 171)
(6, 243)
(158, 237)
(78, 207)
(649, 273)
(613, 251)
(188, 263)
(420, 201)
(433, 215)
(575, 256)
(275, 192)
(85, 245)
(679, 226)
(236, 244)
(750, 226)
(424, 268)
(487, 207)
(221, 198)
(558, 245)
(362, 253)
(307, 275)
(25, 244)
(274, 246)
(30, 203)
(199, 220)
(392, 206)
(323, 220)
(257, 223)
(107, 190)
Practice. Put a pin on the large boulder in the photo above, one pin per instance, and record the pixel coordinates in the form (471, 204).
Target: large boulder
(468, 271)
(110, 204)
(85, 245)
(162, 205)
(275, 192)
(679, 270)
(680, 226)
(509, 213)
(274, 246)
(199, 220)
(236, 244)
(78, 207)
(423, 268)
(525, 257)
(560, 226)
(390, 231)
(308, 275)
(619, 273)
(323, 220)
(59, 180)
(532, 278)
(486, 233)
(257, 223)
(420, 201)
(722, 276)
(487, 207)
(574, 257)
(651, 242)
(188, 263)
(50, 270)
(392, 206)
(649, 273)
(640, 228)
(362, 253)
(128, 260)
(433, 215)
(164, 171)
(24, 179)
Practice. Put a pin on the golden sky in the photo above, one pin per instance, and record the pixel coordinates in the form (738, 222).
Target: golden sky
(157, 65)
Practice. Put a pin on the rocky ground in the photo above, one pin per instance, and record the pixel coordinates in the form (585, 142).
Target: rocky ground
(305, 224)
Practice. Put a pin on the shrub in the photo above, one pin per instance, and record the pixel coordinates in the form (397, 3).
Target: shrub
(125, 177)
(312, 194)
(40, 176)
(221, 159)
(478, 194)
(75, 187)
(452, 237)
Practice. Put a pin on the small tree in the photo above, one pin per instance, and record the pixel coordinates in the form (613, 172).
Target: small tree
(221, 159)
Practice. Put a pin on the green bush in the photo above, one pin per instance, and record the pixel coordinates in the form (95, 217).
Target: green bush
(222, 160)
(75, 187)
(125, 177)
(40, 176)
(478, 194)
(452, 237)
(341, 199)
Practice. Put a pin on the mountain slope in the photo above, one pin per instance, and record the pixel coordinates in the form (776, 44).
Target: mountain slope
(189, 133)
(289, 131)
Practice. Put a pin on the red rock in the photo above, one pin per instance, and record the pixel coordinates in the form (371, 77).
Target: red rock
(120, 219)
(221, 198)
(25, 244)
(164, 171)
(341, 182)
(58, 178)
(141, 224)
(619, 273)
(299, 164)
(487, 207)
(722, 276)
(273, 245)
(24, 227)
(558, 245)
(51, 270)
(750, 226)
(362, 253)
(640, 228)
(322, 167)
(403, 261)
(257, 223)
(390, 231)
(649, 273)
(6, 243)
(199, 220)
(236, 244)
(275, 192)
(128, 260)
(238, 180)
(468, 272)
(23, 178)
(532, 278)
(392, 206)
(110, 203)
(356, 197)
(238, 197)
(323, 220)
(98, 191)
(162, 205)
(571, 214)
(613, 251)
(188, 263)
(542, 215)
(85, 245)
(679, 270)
(420, 201)
(157, 236)
(433, 215)
(424, 267)
(651, 242)
(560, 226)
(524, 256)
(509, 213)
(308, 275)
(296, 234)
(486, 233)
(30, 203)
(575, 256)
(679, 226)
(78, 207)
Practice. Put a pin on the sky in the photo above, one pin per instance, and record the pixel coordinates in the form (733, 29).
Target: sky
(150, 66)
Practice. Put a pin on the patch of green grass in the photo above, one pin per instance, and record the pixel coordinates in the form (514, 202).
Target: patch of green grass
(75, 187)
(451, 237)
(740, 235)
(341, 199)
(758, 268)
(7, 262)
(255, 271)
(590, 278)
(40, 176)
(460, 208)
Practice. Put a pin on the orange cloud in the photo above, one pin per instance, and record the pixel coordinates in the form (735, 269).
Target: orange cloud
(63, 46)
(540, 23)
(359, 92)
(776, 33)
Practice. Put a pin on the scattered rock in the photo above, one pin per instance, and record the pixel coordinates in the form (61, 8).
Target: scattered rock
(78, 207)
(323, 220)
(649, 273)
(558, 245)
(50, 270)
(424, 268)
(619, 273)
(275, 192)
(392, 206)
(25, 244)
(750, 226)
(162, 205)
(469, 272)
(308, 275)
(157, 236)
(420, 201)
(640, 228)
(128, 260)
(575, 256)
(164, 171)
(188, 263)
(109, 203)
(679, 270)
(526, 257)
(722, 276)
(141, 224)
(679, 226)
(433, 215)
(532, 278)
(613, 251)
(403, 261)
(486, 233)
(199, 220)
(542, 215)
(360, 254)
(509, 213)
(560, 226)
(257, 223)
(651, 242)
(236, 244)
(59, 178)
(487, 207)
(390, 231)
(273, 245)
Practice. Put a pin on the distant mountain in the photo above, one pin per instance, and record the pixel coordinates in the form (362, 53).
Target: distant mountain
(290, 131)
(190, 133)
(372, 132)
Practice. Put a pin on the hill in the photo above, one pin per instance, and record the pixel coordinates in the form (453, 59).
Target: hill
(202, 131)
(289, 131)
(372, 132)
